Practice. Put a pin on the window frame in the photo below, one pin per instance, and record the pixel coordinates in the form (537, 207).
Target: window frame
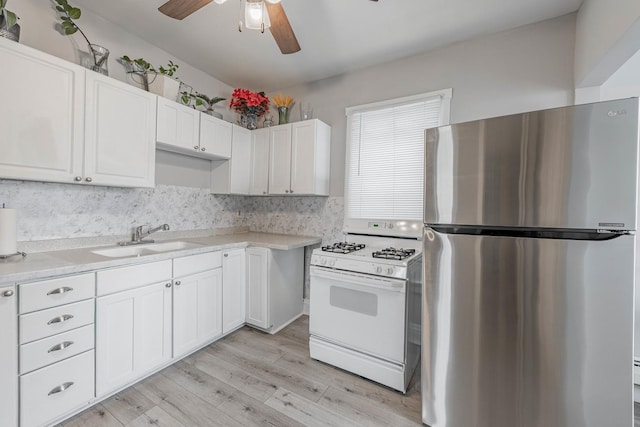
(379, 226)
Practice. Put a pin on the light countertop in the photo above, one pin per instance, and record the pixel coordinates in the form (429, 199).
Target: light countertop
(69, 261)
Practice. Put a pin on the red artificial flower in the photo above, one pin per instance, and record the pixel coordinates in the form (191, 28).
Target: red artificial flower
(247, 102)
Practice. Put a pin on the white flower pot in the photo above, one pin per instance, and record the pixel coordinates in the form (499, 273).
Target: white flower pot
(164, 86)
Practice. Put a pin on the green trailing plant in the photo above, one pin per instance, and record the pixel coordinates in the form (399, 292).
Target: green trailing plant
(170, 70)
(139, 65)
(68, 16)
(206, 101)
(10, 18)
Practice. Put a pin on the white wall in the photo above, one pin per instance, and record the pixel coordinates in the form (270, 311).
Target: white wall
(38, 19)
(607, 35)
(527, 68)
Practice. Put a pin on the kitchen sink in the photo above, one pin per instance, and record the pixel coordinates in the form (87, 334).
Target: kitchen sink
(144, 249)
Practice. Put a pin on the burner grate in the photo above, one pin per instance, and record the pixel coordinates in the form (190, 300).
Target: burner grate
(393, 253)
(343, 247)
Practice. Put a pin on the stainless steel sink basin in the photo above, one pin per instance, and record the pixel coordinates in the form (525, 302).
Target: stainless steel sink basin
(146, 249)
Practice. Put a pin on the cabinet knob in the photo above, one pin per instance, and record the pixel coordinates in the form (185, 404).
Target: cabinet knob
(203, 149)
(60, 388)
(264, 192)
(77, 178)
(226, 255)
(291, 191)
(178, 283)
(61, 290)
(88, 179)
(7, 293)
(168, 285)
(60, 319)
(195, 147)
(60, 346)
(286, 191)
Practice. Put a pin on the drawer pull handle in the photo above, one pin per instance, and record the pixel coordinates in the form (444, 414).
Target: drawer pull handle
(61, 290)
(178, 283)
(60, 388)
(60, 346)
(60, 319)
(8, 293)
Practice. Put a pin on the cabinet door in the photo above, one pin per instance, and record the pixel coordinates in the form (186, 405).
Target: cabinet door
(258, 287)
(280, 159)
(215, 137)
(197, 310)
(310, 157)
(133, 335)
(259, 162)
(8, 357)
(233, 289)
(239, 173)
(41, 115)
(178, 126)
(120, 133)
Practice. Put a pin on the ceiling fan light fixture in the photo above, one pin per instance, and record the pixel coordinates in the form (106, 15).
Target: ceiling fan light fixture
(219, 1)
(270, 1)
(255, 15)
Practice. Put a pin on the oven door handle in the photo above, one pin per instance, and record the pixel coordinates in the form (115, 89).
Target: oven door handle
(347, 277)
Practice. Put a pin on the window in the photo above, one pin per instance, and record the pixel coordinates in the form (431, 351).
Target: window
(385, 156)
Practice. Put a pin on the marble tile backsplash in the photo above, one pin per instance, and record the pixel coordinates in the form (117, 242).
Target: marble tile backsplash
(55, 211)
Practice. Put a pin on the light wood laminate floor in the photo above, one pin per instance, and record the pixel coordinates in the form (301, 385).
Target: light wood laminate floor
(252, 378)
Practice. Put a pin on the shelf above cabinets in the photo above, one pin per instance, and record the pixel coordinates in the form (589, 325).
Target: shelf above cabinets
(182, 129)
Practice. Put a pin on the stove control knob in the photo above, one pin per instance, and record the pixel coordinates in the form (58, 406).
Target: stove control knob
(378, 270)
(332, 262)
(390, 270)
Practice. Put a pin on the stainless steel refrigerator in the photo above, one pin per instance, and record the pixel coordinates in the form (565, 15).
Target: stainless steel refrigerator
(528, 261)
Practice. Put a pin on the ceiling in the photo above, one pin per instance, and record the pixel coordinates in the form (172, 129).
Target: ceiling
(335, 35)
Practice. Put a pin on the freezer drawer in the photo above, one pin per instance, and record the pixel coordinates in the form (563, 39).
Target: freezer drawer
(527, 332)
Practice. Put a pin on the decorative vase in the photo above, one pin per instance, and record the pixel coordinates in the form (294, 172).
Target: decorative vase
(283, 115)
(100, 57)
(212, 112)
(252, 121)
(12, 33)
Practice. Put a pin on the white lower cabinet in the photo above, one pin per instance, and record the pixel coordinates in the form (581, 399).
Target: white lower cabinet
(49, 392)
(275, 281)
(197, 308)
(8, 357)
(133, 335)
(233, 289)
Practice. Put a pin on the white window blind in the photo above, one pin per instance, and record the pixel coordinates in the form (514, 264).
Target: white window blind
(386, 156)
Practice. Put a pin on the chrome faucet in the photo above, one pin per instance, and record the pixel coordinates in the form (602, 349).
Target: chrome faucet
(140, 234)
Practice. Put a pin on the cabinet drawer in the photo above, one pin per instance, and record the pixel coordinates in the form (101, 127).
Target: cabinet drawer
(135, 276)
(41, 324)
(50, 293)
(51, 392)
(196, 263)
(53, 349)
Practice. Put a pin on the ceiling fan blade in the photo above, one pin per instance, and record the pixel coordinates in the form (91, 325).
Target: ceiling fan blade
(180, 9)
(281, 29)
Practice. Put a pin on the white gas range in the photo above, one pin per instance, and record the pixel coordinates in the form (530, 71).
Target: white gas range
(365, 305)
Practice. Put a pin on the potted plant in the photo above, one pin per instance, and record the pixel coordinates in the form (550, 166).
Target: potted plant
(9, 27)
(161, 81)
(209, 103)
(249, 104)
(68, 15)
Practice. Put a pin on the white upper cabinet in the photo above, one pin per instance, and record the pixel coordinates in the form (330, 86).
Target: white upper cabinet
(215, 137)
(66, 124)
(310, 149)
(119, 133)
(300, 158)
(233, 176)
(259, 167)
(41, 115)
(280, 160)
(178, 127)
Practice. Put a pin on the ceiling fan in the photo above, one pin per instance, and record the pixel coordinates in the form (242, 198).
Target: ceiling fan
(279, 23)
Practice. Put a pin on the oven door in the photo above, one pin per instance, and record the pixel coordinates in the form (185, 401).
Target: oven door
(359, 311)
